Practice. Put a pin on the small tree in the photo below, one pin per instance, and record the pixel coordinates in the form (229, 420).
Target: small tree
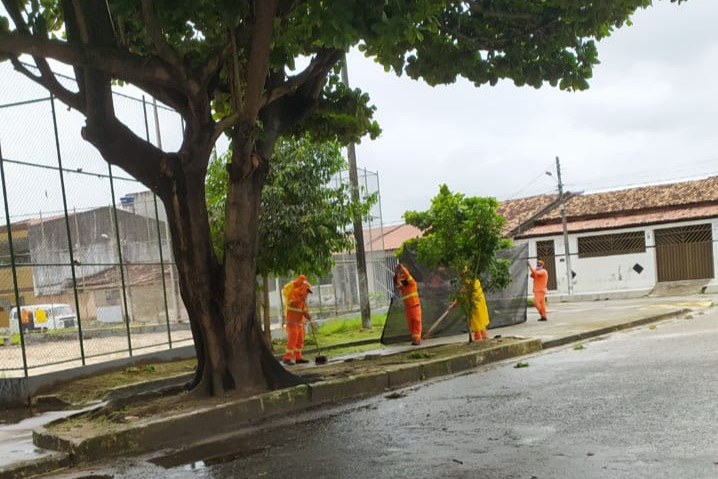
(302, 216)
(462, 233)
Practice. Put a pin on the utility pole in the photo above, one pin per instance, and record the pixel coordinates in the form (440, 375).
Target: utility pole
(358, 227)
(562, 199)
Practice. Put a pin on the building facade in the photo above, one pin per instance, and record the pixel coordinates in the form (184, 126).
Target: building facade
(628, 242)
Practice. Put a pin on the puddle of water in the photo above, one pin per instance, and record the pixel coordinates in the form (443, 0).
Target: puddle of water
(224, 450)
(200, 458)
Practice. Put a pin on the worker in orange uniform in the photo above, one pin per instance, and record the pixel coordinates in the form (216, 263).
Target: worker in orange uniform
(296, 313)
(540, 277)
(410, 295)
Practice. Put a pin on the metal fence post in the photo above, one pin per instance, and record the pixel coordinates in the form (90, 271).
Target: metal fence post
(67, 227)
(159, 233)
(119, 257)
(12, 264)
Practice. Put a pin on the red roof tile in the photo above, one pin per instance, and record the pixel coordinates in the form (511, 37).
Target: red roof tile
(389, 238)
(623, 221)
(641, 198)
(519, 211)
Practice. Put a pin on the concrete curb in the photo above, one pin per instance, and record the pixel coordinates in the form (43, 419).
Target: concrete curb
(35, 467)
(187, 427)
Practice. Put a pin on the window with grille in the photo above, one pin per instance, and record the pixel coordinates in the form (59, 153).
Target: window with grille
(611, 245)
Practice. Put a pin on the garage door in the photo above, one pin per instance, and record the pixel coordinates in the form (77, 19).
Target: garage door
(684, 253)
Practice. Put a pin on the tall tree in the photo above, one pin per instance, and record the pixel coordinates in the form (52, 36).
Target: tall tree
(230, 67)
(462, 233)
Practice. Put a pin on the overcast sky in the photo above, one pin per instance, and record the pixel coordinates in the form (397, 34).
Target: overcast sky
(649, 116)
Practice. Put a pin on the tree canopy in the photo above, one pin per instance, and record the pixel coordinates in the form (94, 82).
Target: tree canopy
(259, 70)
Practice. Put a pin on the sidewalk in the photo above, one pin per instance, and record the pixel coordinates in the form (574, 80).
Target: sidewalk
(573, 321)
(343, 380)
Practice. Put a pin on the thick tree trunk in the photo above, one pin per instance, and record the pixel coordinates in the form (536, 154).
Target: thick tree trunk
(221, 303)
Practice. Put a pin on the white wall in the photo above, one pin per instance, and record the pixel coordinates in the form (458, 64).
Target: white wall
(606, 274)
(610, 274)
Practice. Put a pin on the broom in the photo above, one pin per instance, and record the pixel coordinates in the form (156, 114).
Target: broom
(320, 359)
(428, 334)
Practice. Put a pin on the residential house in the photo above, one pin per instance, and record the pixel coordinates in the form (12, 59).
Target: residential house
(627, 241)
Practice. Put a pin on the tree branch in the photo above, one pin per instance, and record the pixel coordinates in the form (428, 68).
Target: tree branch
(122, 147)
(81, 22)
(319, 66)
(210, 69)
(171, 98)
(223, 125)
(165, 51)
(119, 64)
(12, 8)
(48, 81)
(289, 109)
(47, 78)
(258, 62)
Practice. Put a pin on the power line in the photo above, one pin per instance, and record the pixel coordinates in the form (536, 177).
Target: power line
(649, 181)
(530, 183)
(641, 177)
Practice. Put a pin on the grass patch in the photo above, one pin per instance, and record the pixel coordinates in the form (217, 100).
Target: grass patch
(420, 355)
(340, 331)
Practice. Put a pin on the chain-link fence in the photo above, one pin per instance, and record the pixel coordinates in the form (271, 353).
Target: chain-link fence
(84, 248)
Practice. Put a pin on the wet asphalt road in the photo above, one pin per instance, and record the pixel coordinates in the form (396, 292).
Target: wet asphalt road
(636, 404)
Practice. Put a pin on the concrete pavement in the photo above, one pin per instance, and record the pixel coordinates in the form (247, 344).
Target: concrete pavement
(574, 321)
(568, 322)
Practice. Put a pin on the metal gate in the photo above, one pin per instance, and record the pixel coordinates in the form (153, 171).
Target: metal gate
(684, 253)
(545, 251)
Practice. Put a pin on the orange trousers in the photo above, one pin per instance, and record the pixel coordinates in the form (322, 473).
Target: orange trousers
(295, 341)
(540, 303)
(482, 334)
(413, 321)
